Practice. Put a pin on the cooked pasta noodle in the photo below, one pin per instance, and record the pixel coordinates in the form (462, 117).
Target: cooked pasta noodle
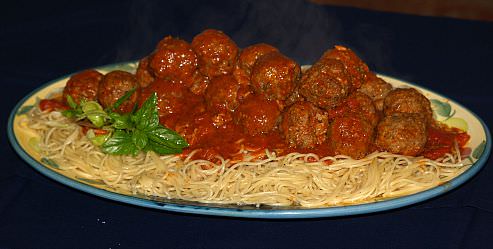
(294, 179)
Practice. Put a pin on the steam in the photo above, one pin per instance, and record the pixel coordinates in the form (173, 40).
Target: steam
(301, 30)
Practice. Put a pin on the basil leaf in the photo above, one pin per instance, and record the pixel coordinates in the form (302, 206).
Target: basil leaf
(147, 116)
(69, 113)
(97, 140)
(161, 149)
(139, 138)
(166, 137)
(71, 102)
(121, 121)
(120, 143)
(122, 99)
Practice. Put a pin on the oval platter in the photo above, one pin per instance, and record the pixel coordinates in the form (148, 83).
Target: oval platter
(445, 110)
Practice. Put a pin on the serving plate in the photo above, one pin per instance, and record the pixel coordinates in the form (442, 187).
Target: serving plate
(445, 110)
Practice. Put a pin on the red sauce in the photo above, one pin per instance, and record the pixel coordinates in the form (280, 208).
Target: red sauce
(52, 105)
(441, 141)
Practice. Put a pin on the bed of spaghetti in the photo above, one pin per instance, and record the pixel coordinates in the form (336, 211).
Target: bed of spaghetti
(295, 179)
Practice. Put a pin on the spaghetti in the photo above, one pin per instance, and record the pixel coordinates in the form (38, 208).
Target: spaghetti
(294, 179)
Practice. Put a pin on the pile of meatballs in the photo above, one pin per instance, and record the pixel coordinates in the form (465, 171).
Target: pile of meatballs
(210, 83)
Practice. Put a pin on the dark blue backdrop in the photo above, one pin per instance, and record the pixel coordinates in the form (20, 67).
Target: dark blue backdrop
(40, 41)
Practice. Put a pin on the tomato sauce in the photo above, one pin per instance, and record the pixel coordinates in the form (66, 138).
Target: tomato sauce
(441, 140)
(52, 105)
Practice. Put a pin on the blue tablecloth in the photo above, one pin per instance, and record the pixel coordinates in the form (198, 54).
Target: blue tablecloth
(41, 41)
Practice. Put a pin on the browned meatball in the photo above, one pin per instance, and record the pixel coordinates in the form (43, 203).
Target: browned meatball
(222, 94)
(216, 52)
(275, 76)
(171, 97)
(402, 133)
(114, 85)
(304, 125)
(83, 85)
(407, 100)
(200, 83)
(174, 60)
(294, 97)
(257, 115)
(351, 135)
(144, 74)
(377, 89)
(358, 104)
(325, 84)
(357, 69)
(250, 55)
(196, 128)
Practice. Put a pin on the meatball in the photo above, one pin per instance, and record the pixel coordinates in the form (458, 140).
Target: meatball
(275, 76)
(351, 135)
(172, 99)
(113, 86)
(200, 83)
(83, 85)
(196, 128)
(174, 60)
(354, 65)
(407, 100)
(325, 84)
(216, 52)
(402, 133)
(250, 55)
(358, 104)
(144, 74)
(222, 94)
(294, 97)
(377, 89)
(304, 125)
(257, 115)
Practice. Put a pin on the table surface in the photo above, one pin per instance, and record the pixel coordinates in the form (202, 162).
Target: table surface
(40, 42)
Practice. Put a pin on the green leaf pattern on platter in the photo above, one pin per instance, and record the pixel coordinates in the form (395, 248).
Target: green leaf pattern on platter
(90, 181)
(50, 162)
(478, 151)
(443, 112)
(25, 109)
(441, 108)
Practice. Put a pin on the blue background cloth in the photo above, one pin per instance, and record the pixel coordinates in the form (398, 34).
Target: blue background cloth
(40, 41)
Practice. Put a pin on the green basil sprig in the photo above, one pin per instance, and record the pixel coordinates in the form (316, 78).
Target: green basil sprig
(130, 133)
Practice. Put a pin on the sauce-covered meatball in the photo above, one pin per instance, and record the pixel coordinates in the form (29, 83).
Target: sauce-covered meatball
(275, 76)
(354, 65)
(83, 85)
(351, 135)
(143, 73)
(199, 83)
(172, 99)
(358, 104)
(407, 100)
(304, 125)
(114, 85)
(216, 52)
(376, 88)
(196, 128)
(325, 84)
(250, 54)
(402, 133)
(257, 115)
(174, 60)
(222, 94)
